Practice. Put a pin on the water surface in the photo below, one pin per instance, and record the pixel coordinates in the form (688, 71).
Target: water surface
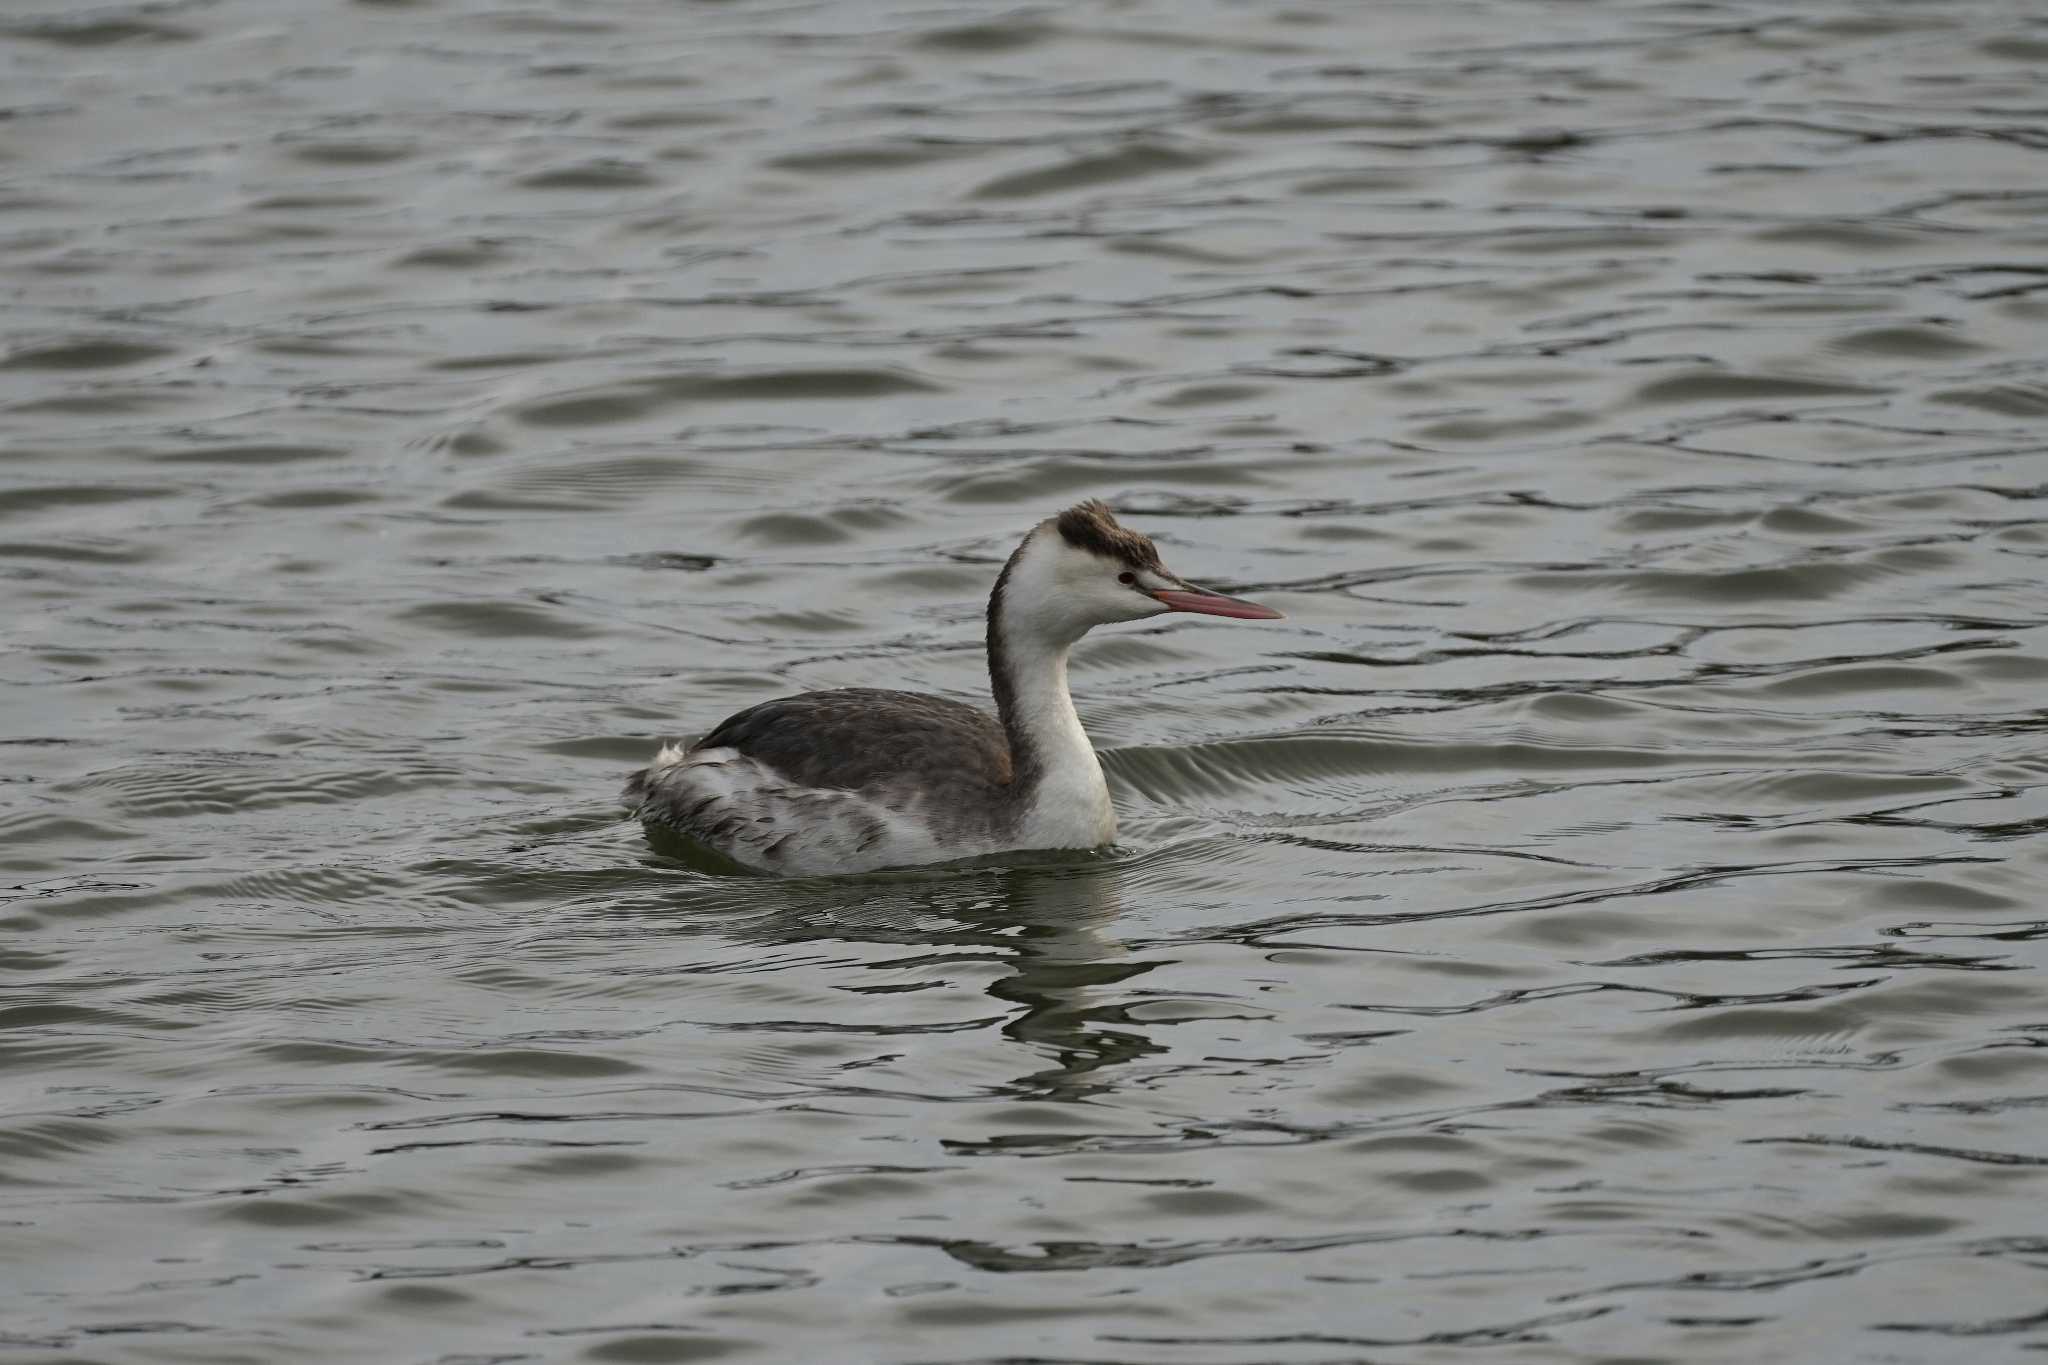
(1598, 925)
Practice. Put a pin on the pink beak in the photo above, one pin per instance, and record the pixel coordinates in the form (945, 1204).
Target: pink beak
(1188, 597)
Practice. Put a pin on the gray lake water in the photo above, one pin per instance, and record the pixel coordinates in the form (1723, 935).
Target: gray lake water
(1602, 923)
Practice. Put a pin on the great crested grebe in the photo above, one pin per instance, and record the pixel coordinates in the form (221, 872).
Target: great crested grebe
(860, 778)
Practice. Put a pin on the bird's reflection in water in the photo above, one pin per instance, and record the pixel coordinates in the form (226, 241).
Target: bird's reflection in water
(1060, 925)
(1051, 919)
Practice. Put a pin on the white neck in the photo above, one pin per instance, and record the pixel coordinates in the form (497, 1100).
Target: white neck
(1069, 806)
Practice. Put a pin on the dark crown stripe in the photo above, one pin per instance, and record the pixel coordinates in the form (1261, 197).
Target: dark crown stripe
(1091, 526)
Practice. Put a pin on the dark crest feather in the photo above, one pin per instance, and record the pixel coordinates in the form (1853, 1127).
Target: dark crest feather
(1091, 526)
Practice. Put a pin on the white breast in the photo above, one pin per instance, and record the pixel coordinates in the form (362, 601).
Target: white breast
(1072, 809)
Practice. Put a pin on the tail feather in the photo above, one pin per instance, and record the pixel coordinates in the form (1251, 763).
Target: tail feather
(641, 784)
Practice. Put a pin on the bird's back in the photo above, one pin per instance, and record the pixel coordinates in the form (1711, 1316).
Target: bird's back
(839, 781)
(861, 738)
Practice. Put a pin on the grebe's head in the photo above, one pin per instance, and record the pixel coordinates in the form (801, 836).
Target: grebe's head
(1080, 570)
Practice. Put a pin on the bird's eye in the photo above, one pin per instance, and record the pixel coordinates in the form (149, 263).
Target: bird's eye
(1127, 577)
